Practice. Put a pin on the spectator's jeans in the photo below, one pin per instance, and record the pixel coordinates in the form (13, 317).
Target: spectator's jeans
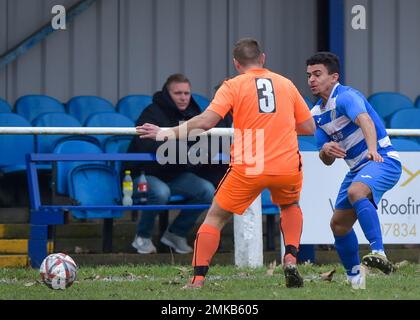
(188, 185)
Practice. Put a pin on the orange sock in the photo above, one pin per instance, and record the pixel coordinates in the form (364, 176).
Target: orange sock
(291, 222)
(205, 245)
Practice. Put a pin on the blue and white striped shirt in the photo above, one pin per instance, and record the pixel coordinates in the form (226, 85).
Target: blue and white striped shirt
(336, 122)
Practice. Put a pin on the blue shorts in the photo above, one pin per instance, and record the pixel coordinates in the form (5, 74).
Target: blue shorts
(378, 176)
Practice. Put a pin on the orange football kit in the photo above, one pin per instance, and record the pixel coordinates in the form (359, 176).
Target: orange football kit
(267, 107)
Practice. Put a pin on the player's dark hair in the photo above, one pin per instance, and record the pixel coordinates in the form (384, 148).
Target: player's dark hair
(247, 51)
(328, 59)
(176, 78)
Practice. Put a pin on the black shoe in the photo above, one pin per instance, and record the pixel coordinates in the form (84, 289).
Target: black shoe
(378, 261)
(291, 273)
(292, 276)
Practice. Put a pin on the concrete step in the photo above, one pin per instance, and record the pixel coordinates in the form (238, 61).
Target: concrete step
(8, 246)
(21, 215)
(76, 230)
(13, 260)
(14, 215)
(93, 230)
(14, 231)
(119, 245)
(11, 226)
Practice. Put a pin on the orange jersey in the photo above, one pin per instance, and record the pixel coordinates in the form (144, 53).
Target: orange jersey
(266, 106)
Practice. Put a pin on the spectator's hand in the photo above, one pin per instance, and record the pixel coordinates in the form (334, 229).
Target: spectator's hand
(375, 156)
(332, 149)
(148, 131)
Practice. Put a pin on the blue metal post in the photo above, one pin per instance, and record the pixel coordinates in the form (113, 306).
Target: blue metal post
(37, 244)
(337, 34)
(33, 187)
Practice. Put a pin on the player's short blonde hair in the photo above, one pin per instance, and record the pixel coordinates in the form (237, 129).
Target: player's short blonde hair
(247, 51)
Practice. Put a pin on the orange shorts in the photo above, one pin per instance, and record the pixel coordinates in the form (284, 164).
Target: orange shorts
(236, 191)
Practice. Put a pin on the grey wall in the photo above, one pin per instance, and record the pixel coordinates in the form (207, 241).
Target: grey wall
(385, 56)
(121, 47)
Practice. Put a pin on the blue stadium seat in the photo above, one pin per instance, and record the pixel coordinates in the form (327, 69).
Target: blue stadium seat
(176, 198)
(117, 144)
(46, 143)
(13, 148)
(406, 119)
(5, 106)
(81, 107)
(95, 184)
(107, 119)
(202, 101)
(405, 144)
(132, 106)
(78, 137)
(64, 167)
(31, 106)
(387, 103)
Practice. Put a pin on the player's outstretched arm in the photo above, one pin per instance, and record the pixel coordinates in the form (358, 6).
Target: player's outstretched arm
(306, 127)
(204, 121)
(148, 130)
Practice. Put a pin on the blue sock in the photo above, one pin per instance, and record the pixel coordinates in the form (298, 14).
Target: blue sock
(369, 222)
(348, 249)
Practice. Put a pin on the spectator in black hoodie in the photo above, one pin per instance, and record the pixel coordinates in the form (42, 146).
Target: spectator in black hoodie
(170, 106)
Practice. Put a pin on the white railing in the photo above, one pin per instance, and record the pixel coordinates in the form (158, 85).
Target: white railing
(132, 131)
(92, 130)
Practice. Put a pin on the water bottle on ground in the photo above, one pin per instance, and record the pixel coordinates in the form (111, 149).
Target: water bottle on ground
(127, 187)
(142, 188)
